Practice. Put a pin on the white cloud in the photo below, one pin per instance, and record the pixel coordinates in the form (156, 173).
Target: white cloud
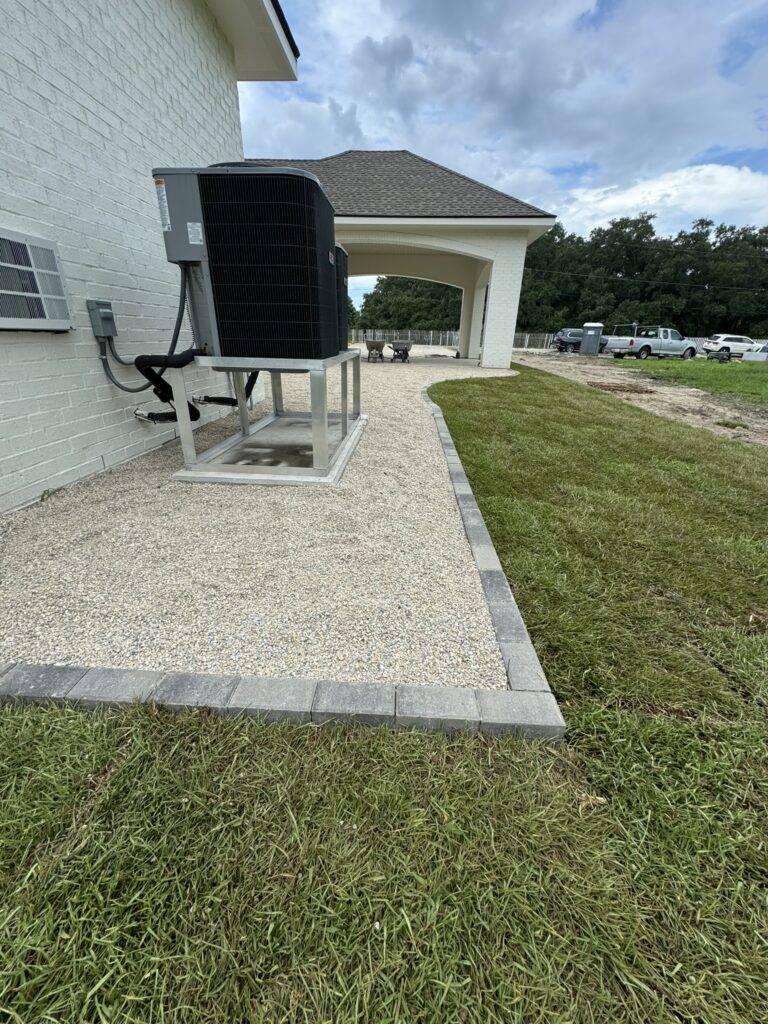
(722, 192)
(537, 100)
(742, 11)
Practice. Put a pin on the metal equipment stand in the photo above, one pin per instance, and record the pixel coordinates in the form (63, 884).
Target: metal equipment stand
(282, 447)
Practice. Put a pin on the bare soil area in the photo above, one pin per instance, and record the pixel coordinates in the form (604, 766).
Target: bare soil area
(676, 402)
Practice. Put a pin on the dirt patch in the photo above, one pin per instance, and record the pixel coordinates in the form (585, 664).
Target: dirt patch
(745, 422)
(629, 389)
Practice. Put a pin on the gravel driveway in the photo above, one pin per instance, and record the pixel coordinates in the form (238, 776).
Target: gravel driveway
(371, 580)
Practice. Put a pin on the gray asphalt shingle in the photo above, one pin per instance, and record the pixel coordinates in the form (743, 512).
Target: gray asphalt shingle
(397, 183)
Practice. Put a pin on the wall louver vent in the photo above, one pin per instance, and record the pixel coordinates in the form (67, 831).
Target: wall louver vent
(32, 296)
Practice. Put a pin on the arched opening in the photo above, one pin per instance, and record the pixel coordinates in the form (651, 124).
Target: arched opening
(417, 309)
(430, 261)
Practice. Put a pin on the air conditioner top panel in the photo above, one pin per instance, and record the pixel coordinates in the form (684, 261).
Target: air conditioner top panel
(237, 169)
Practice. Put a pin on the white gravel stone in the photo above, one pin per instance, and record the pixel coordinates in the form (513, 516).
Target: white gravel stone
(371, 580)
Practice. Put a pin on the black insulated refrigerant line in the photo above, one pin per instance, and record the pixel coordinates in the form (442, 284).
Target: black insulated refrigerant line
(149, 365)
(225, 399)
(152, 367)
(110, 342)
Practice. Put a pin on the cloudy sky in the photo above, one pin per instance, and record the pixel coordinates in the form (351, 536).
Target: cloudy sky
(589, 108)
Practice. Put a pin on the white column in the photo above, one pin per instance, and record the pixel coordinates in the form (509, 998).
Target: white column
(465, 323)
(478, 308)
(503, 300)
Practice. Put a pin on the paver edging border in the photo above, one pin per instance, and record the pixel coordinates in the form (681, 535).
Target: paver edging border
(525, 674)
(301, 701)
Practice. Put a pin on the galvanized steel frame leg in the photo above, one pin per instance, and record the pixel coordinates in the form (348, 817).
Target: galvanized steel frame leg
(242, 402)
(355, 387)
(318, 393)
(344, 402)
(277, 392)
(183, 422)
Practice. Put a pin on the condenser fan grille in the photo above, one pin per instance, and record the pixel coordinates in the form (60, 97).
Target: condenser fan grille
(270, 246)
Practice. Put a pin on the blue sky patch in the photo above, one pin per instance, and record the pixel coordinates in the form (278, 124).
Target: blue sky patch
(575, 174)
(593, 19)
(748, 37)
(755, 159)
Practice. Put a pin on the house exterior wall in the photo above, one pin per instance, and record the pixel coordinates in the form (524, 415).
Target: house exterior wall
(92, 96)
(458, 255)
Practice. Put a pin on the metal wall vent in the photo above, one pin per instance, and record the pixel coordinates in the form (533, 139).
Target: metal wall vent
(32, 296)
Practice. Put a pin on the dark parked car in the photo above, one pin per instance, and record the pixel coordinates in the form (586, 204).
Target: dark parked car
(568, 339)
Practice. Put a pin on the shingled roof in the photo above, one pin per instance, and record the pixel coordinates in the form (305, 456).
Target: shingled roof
(397, 183)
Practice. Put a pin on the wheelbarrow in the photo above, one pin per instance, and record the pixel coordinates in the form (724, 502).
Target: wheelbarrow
(400, 350)
(375, 351)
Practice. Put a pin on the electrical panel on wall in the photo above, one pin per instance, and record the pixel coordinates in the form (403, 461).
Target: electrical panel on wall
(32, 295)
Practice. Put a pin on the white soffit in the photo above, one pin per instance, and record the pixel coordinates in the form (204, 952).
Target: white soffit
(263, 52)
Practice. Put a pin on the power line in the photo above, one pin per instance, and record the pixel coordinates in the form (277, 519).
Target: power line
(642, 280)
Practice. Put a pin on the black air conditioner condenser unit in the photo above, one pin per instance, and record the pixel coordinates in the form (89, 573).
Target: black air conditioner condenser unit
(261, 256)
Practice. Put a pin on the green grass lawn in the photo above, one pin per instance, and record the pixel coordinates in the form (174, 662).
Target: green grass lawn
(194, 869)
(748, 381)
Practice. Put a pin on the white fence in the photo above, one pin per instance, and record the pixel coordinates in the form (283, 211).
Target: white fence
(533, 340)
(450, 339)
(444, 339)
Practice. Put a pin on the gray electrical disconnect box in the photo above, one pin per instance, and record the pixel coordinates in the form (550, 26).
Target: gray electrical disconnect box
(102, 318)
(590, 340)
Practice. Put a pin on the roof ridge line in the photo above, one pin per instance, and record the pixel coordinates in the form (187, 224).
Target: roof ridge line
(343, 152)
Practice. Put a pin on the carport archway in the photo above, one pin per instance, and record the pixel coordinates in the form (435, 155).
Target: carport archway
(410, 327)
(466, 273)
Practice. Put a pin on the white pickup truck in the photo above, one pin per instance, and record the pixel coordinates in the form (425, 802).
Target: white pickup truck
(643, 341)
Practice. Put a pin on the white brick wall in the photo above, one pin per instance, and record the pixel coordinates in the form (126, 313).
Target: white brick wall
(93, 95)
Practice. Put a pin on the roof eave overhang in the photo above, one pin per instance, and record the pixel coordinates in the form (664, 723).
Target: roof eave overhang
(263, 51)
(502, 223)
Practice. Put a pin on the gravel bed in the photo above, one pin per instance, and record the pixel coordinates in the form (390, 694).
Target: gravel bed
(371, 580)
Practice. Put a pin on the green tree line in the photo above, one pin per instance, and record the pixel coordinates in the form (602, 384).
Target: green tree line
(403, 303)
(703, 280)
